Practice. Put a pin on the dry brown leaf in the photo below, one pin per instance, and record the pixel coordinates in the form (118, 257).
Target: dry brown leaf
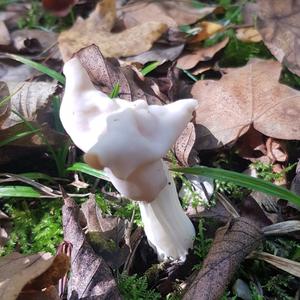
(105, 73)
(207, 30)
(49, 293)
(287, 265)
(17, 270)
(172, 13)
(189, 61)
(248, 35)
(158, 52)
(231, 245)
(96, 30)
(245, 96)
(35, 41)
(4, 34)
(4, 102)
(28, 98)
(90, 278)
(278, 22)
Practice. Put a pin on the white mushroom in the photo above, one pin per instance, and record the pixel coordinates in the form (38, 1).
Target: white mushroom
(128, 141)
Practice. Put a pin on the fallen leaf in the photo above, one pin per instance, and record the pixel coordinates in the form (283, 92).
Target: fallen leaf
(4, 102)
(32, 41)
(287, 265)
(96, 30)
(49, 293)
(276, 150)
(208, 29)
(17, 270)
(10, 71)
(4, 34)
(105, 73)
(189, 61)
(250, 35)
(59, 7)
(226, 109)
(28, 99)
(168, 12)
(278, 22)
(159, 52)
(230, 247)
(90, 275)
(59, 267)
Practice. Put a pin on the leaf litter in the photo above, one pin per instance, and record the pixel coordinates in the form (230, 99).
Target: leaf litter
(245, 109)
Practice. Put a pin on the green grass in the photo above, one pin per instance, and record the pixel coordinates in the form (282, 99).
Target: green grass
(244, 181)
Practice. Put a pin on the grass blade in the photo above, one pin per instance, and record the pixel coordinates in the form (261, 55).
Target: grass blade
(150, 68)
(19, 191)
(115, 92)
(43, 69)
(84, 168)
(244, 181)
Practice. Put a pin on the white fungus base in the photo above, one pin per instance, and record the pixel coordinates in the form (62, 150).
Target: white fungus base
(168, 229)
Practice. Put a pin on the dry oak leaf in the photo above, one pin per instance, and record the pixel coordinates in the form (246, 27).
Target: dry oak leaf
(17, 270)
(278, 22)
(245, 96)
(172, 13)
(96, 29)
(190, 60)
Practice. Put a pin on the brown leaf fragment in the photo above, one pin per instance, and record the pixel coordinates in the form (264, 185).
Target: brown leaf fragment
(167, 12)
(17, 270)
(189, 61)
(105, 73)
(159, 52)
(57, 270)
(28, 99)
(278, 22)
(231, 245)
(248, 35)
(245, 96)
(207, 29)
(4, 102)
(49, 293)
(90, 275)
(32, 41)
(96, 30)
(4, 34)
(287, 265)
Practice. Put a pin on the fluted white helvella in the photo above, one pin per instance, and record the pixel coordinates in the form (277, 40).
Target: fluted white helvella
(128, 140)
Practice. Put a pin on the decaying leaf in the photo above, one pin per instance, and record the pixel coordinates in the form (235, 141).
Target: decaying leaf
(250, 35)
(90, 275)
(245, 96)
(158, 52)
(188, 61)
(167, 12)
(287, 265)
(4, 34)
(59, 7)
(278, 22)
(96, 29)
(105, 73)
(33, 41)
(17, 270)
(230, 247)
(4, 102)
(207, 29)
(28, 98)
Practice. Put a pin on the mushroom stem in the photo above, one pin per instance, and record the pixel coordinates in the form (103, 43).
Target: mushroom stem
(168, 229)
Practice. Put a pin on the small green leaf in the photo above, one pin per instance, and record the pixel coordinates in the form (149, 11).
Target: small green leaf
(84, 168)
(115, 92)
(244, 181)
(150, 68)
(52, 73)
(37, 176)
(19, 191)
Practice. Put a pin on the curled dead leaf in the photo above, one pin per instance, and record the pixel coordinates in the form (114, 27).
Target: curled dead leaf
(188, 61)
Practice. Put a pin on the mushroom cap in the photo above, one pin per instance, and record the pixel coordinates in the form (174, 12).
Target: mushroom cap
(128, 139)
